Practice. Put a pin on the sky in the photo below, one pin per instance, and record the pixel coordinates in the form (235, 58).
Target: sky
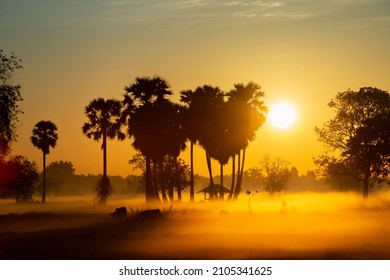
(301, 52)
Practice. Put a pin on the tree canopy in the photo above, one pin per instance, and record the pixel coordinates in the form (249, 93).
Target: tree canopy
(358, 136)
(9, 101)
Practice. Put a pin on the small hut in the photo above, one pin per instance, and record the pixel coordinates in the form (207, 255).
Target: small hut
(215, 191)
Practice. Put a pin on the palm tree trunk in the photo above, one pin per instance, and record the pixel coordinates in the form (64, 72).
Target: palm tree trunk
(208, 159)
(233, 177)
(221, 194)
(242, 163)
(44, 179)
(240, 174)
(104, 147)
(221, 179)
(149, 194)
(192, 191)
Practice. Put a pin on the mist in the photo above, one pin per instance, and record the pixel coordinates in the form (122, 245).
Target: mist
(285, 226)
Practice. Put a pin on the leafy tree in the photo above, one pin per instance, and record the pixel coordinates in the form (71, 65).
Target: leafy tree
(18, 178)
(174, 174)
(9, 98)
(358, 136)
(276, 174)
(58, 173)
(105, 121)
(44, 136)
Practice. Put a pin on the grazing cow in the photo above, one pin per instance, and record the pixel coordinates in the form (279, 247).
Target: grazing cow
(119, 213)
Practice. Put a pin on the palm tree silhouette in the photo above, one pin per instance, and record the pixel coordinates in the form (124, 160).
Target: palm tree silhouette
(201, 122)
(104, 122)
(190, 125)
(247, 112)
(144, 103)
(44, 136)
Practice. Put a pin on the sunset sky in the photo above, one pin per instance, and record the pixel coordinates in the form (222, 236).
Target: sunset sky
(301, 52)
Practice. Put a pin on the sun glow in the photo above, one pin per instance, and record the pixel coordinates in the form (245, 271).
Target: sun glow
(282, 115)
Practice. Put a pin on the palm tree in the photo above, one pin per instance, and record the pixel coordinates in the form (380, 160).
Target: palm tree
(144, 103)
(190, 125)
(202, 126)
(104, 122)
(44, 136)
(247, 114)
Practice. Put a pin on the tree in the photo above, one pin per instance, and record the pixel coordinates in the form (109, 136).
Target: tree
(247, 114)
(105, 121)
(172, 173)
(150, 118)
(9, 98)
(44, 136)
(336, 173)
(358, 136)
(190, 131)
(58, 173)
(276, 174)
(18, 178)
(201, 121)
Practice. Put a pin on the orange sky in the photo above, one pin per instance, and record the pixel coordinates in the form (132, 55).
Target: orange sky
(301, 51)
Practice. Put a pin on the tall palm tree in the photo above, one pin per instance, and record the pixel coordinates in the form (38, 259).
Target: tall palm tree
(44, 136)
(104, 122)
(248, 114)
(203, 109)
(144, 102)
(190, 125)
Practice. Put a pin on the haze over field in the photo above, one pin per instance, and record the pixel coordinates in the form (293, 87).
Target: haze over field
(315, 226)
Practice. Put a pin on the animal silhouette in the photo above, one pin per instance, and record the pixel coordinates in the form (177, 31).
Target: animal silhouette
(119, 213)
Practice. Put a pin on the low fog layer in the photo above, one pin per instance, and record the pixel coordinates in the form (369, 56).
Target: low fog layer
(305, 225)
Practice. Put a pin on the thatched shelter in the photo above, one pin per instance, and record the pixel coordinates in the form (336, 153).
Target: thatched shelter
(215, 191)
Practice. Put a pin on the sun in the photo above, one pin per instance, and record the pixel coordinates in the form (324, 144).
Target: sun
(282, 115)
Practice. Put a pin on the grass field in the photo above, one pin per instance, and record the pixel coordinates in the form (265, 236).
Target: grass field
(310, 226)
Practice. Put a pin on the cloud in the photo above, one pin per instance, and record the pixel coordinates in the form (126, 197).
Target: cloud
(196, 13)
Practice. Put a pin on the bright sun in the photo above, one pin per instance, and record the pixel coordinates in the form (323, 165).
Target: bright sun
(282, 115)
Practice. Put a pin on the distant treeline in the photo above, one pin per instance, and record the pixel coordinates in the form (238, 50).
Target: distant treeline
(62, 181)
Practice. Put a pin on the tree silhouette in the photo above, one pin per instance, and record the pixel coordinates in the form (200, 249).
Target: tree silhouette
(9, 98)
(104, 122)
(58, 173)
(191, 126)
(145, 109)
(223, 124)
(18, 178)
(204, 110)
(276, 174)
(44, 136)
(247, 114)
(358, 136)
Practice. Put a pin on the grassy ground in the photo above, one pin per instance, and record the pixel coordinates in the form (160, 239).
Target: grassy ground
(314, 226)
